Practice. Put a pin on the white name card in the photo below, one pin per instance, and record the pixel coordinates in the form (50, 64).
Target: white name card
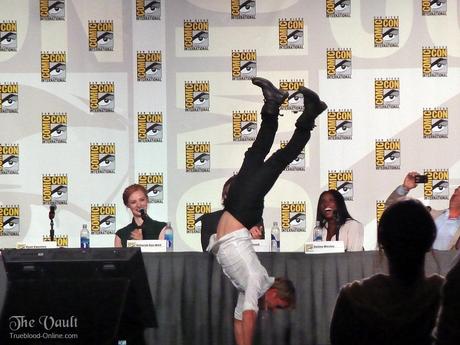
(36, 245)
(261, 245)
(321, 247)
(148, 246)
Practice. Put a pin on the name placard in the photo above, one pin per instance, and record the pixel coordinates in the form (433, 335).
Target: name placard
(37, 245)
(261, 245)
(148, 246)
(321, 247)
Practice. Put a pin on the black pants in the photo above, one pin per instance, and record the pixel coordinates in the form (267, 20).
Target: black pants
(245, 199)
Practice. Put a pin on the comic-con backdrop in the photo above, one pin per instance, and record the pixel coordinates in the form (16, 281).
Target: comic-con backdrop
(97, 95)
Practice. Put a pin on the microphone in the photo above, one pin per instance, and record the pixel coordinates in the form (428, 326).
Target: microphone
(52, 211)
(143, 214)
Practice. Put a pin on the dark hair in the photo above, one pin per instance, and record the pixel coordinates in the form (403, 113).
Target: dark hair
(406, 232)
(285, 290)
(342, 212)
(226, 187)
(131, 189)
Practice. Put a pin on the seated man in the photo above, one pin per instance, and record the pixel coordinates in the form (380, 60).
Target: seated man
(243, 208)
(447, 221)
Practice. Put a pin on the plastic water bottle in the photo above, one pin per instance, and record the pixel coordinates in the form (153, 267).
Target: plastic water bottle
(317, 232)
(84, 237)
(275, 237)
(169, 237)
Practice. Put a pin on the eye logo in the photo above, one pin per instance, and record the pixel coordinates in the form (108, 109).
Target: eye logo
(55, 189)
(196, 35)
(290, 33)
(148, 9)
(243, 9)
(53, 66)
(9, 159)
(379, 208)
(338, 8)
(342, 181)
(62, 241)
(437, 185)
(197, 96)
(103, 219)
(434, 7)
(435, 123)
(9, 220)
(244, 64)
(386, 32)
(386, 93)
(338, 62)
(54, 128)
(294, 101)
(293, 217)
(340, 124)
(244, 125)
(198, 157)
(52, 10)
(149, 66)
(8, 36)
(154, 185)
(149, 127)
(102, 158)
(298, 164)
(194, 212)
(101, 97)
(434, 62)
(9, 96)
(387, 154)
(100, 35)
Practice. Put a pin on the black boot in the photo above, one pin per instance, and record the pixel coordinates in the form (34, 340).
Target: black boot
(273, 97)
(313, 106)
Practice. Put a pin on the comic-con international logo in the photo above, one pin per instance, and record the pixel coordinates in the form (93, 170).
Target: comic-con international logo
(193, 214)
(338, 8)
(154, 185)
(62, 241)
(149, 66)
(148, 9)
(342, 181)
(197, 96)
(386, 32)
(338, 62)
(437, 185)
(9, 220)
(54, 128)
(387, 93)
(388, 154)
(298, 164)
(101, 97)
(52, 9)
(196, 35)
(434, 7)
(100, 35)
(435, 123)
(290, 33)
(243, 9)
(55, 189)
(379, 208)
(9, 159)
(293, 217)
(294, 101)
(9, 96)
(434, 61)
(149, 127)
(244, 64)
(244, 125)
(102, 158)
(340, 124)
(53, 66)
(103, 219)
(8, 36)
(197, 157)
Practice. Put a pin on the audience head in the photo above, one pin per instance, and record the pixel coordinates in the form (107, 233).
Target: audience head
(331, 204)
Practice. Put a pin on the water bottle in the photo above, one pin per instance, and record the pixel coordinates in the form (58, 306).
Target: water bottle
(169, 237)
(84, 237)
(317, 232)
(275, 237)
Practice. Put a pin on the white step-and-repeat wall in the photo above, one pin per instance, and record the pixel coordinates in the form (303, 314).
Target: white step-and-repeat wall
(97, 95)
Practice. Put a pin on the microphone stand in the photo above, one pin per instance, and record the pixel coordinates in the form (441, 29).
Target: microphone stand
(51, 217)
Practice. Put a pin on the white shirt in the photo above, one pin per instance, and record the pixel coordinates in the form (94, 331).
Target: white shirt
(447, 227)
(240, 264)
